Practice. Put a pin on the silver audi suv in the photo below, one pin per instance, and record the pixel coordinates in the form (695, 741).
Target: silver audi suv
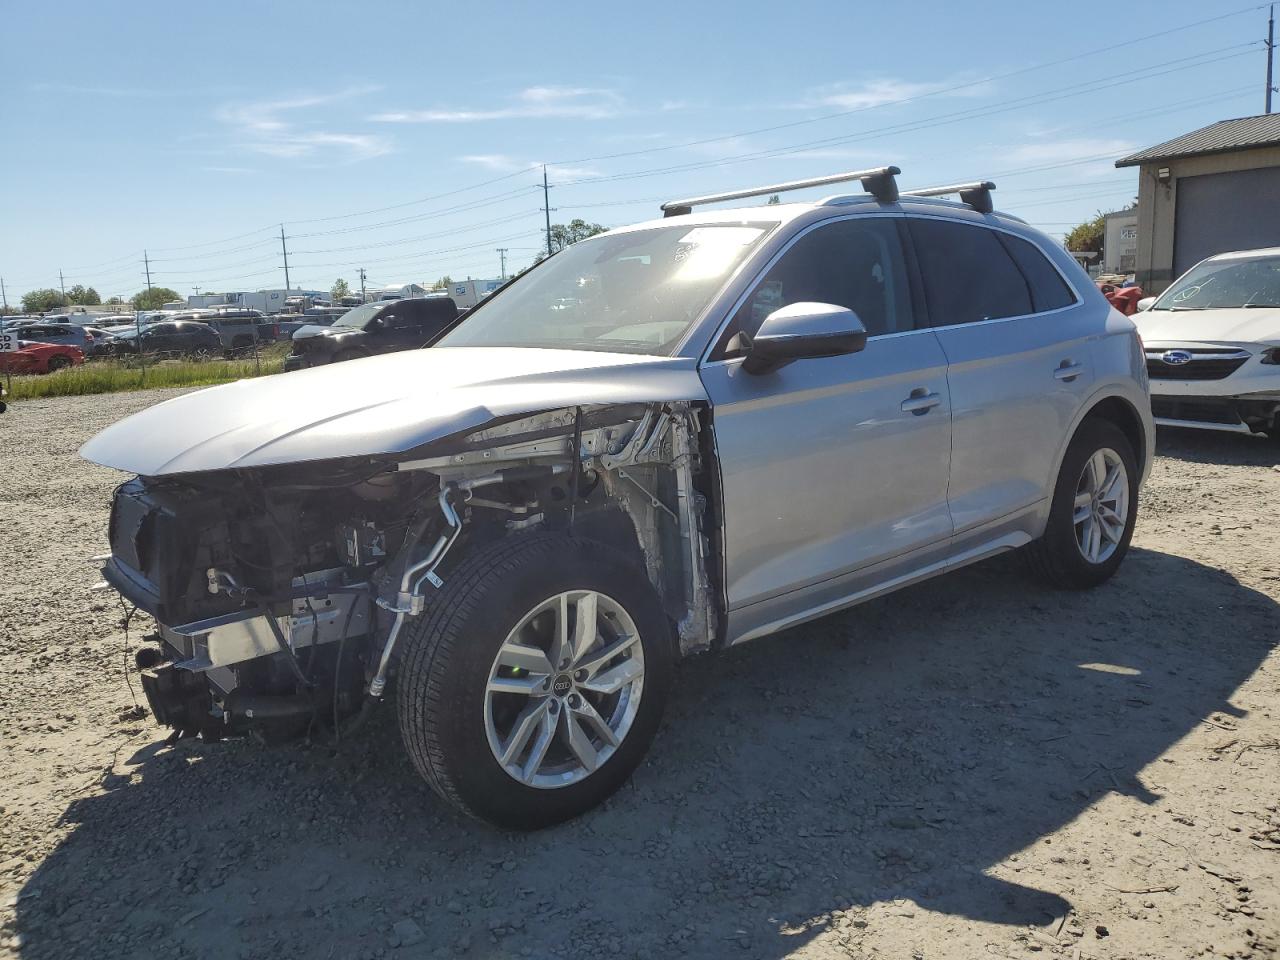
(671, 438)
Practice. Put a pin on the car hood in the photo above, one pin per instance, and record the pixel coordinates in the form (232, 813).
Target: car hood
(1233, 325)
(323, 330)
(390, 404)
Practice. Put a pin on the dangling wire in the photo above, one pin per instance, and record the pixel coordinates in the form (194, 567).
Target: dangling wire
(128, 616)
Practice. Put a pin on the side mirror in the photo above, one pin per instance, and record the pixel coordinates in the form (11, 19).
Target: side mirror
(1145, 303)
(801, 331)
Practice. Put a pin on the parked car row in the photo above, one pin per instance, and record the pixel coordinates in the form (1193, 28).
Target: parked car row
(374, 328)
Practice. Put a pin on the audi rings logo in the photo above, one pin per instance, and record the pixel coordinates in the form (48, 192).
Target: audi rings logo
(1176, 358)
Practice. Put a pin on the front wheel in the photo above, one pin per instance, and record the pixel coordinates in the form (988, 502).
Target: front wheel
(532, 688)
(1092, 514)
(58, 363)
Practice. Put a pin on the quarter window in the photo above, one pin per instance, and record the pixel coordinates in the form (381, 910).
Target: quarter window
(854, 263)
(968, 275)
(1048, 290)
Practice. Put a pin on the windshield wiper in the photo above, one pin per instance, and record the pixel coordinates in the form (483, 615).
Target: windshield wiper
(1254, 306)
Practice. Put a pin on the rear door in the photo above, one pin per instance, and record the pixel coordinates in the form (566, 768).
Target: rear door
(834, 465)
(161, 338)
(1018, 366)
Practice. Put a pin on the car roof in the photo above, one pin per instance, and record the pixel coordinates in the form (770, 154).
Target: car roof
(780, 214)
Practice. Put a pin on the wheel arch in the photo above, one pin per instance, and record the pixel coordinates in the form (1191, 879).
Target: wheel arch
(1111, 404)
(1122, 413)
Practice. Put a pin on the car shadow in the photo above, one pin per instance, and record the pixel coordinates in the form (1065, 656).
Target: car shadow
(1211, 446)
(900, 754)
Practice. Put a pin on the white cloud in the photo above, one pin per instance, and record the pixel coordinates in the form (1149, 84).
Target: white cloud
(266, 127)
(581, 103)
(501, 163)
(233, 170)
(887, 90)
(1058, 151)
(1071, 158)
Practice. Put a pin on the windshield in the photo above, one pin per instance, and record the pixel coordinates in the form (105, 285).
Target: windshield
(634, 292)
(1225, 283)
(358, 317)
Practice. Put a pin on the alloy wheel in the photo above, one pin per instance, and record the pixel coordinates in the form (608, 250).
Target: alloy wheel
(564, 689)
(1101, 505)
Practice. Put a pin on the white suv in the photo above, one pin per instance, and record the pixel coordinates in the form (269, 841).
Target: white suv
(1213, 345)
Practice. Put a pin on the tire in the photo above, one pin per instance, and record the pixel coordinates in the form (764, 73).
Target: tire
(449, 717)
(58, 363)
(200, 354)
(1057, 558)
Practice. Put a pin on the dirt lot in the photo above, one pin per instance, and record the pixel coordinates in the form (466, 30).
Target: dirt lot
(976, 767)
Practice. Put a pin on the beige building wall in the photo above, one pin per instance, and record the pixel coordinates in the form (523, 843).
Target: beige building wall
(1157, 202)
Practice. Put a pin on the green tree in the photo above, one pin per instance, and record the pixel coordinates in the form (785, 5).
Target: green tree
(340, 289)
(1087, 236)
(773, 199)
(442, 283)
(115, 301)
(566, 234)
(84, 296)
(40, 301)
(154, 299)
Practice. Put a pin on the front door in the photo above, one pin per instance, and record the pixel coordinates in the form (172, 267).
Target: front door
(830, 467)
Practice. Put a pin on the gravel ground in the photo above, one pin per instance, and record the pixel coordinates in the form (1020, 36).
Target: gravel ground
(975, 767)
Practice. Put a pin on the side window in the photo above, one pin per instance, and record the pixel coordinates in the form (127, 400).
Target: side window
(968, 276)
(1048, 290)
(854, 263)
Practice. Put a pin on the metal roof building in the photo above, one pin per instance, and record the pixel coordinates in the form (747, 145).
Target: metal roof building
(1208, 191)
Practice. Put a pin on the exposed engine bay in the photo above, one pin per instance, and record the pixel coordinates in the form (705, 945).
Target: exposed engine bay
(281, 593)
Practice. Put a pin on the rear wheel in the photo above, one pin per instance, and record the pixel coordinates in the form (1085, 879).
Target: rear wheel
(201, 354)
(533, 688)
(1093, 511)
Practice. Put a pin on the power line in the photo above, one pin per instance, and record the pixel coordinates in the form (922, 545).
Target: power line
(1127, 44)
(911, 126)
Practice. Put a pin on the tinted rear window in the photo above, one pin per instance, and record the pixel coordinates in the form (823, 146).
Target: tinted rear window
(968, 275)
(1048, 290)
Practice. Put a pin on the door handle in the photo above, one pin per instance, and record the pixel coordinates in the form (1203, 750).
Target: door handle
(1067, 371)
(920, 402)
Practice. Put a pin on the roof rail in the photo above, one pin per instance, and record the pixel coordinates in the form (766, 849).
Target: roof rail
(976, 194)
(878, 182)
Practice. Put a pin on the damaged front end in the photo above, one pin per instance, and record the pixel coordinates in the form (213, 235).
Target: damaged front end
(282, 594)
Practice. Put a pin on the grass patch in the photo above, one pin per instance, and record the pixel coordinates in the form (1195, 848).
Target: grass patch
(114, 376)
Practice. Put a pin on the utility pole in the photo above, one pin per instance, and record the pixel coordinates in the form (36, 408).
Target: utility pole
(546, 200)
(1271, 49)
(4, 296)
(362, 284)
(63, 284)
(285, 251)
(197, 290)
(147, 263)
(502, 254)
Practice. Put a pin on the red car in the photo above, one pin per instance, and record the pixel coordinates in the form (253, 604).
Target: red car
(33, 357)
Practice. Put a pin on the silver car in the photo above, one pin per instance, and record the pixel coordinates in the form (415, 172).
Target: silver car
(671, 438)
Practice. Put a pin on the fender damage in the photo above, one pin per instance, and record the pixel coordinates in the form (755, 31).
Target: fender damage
(280, 588)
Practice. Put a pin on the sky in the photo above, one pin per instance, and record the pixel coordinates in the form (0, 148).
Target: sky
(409, 138)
